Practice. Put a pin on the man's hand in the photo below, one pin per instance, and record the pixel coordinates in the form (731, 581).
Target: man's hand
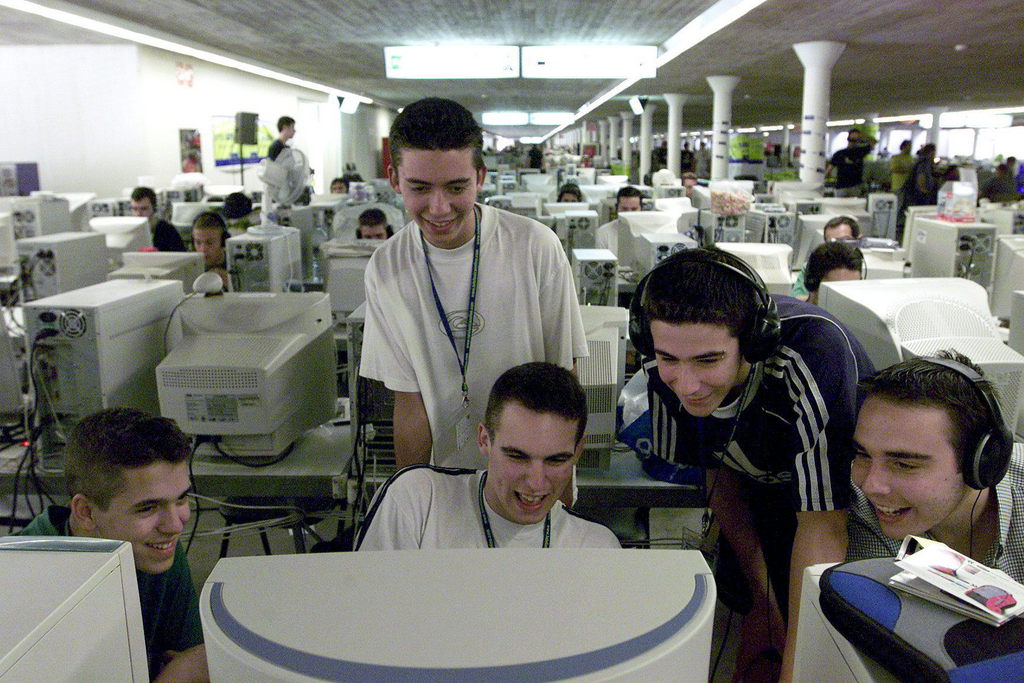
(188, 666)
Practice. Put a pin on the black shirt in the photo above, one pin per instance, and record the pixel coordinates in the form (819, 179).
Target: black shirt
(166, 237)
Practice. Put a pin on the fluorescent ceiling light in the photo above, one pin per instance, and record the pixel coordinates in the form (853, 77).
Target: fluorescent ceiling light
(451, 61)
(709, 22)
(841, 122)
(127, 31)
(765, 129)
(897, 119)
(505, 118)
(746, 130)
(974, 119)
(551, 118)
(589, 61)
(790, 126)
(636, 105)
(531, 141)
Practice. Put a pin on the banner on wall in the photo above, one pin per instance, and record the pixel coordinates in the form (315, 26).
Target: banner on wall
(226, 150)
(191, 150)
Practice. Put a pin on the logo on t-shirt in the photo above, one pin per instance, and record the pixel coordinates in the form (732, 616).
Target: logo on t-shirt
(458, 320)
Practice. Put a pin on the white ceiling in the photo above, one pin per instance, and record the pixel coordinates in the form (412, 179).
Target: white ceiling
(900, 55)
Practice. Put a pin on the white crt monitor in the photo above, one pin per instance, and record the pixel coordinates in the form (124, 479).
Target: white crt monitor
(559, 208)
(632, 224)
(503, 614)
(123, 233)
(770, 261)
(1009, 273)
(161, 265)
(71, 611)
(256, 369)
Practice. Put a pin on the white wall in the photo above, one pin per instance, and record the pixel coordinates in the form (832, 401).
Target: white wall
(73, 110)
(362, 133)
(96, 117)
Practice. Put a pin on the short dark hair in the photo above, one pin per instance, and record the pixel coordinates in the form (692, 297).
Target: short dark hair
(209, 220)
(839, 220)
(343, 181)
(570, 188)
(283, 122)
(627, 191)
(434, 123)
(374, 217)
(695, 290)
(905, 144)
(542, 388)
(104, 444)
(140, 193)
(917, 382)
(829, 256)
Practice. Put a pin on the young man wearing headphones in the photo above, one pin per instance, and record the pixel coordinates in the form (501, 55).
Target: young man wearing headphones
(761, 391)
(209, 237)
(838, 228)
(935, 458)
(832, 262)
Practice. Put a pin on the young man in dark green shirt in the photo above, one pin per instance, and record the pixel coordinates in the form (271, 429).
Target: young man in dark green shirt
(127, 478)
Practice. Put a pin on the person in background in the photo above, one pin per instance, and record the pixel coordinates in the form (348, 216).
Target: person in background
(570, 192)
(1001, 187)
(461, 294)
(849, 163)
(238, 212)
(832, 262)
(627, 199)
(536, 157)
(339, 186)
(285, 132)
(919, 432)
(209, 237)
(689, 181)
(373, 225)
(128, 480)
(900, 167)
(838, 228)
(165, 236)
(531, 436)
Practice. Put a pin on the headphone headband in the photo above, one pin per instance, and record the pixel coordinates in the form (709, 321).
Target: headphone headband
(756, 344)
(987, 463)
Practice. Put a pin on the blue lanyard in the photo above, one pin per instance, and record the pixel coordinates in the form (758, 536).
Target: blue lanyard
(485, 520)
(474, 276)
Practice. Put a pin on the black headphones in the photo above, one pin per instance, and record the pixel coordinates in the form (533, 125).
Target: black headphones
(986, 465)
(757, 344)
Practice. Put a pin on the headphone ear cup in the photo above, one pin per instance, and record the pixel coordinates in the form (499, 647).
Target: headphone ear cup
(765, 333)
(990, 460)
(639, 326)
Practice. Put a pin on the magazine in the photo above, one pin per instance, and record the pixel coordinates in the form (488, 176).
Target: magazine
(936, 572)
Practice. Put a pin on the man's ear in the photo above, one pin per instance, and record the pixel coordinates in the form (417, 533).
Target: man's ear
(82, 510)
(483, 438)
(481, 176)
(393, 176)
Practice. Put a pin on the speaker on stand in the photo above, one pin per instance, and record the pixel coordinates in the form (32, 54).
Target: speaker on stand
(245, 134)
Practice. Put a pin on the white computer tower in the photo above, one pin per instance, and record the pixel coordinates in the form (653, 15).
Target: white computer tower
(57, 263)
(596, 273)
(313, 229)
(110, 206)
(772, 225)
(946, 249)
(1008, 221)
(265, 259)
(602, 375)
(40, 215)
(724, 228)
(161, 265)
(173, 195)
(577, 229)
(8, 246)
(71, 611)
(103, 345)
(665, 191)
(803, 206)
(651, 248)
(882, 207)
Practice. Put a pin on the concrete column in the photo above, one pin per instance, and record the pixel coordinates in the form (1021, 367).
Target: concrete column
(787, 153)
(602, 130)
(933, 132)
(721, 117)
(627, 133)
(818, 58)
(613, 138)
(675, 127)
(646, 138)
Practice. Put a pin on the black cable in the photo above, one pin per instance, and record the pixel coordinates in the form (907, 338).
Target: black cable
(192, 481)
(250, 462)
(721, 648)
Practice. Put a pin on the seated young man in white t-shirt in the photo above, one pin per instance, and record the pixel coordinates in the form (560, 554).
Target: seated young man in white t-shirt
(532, 435)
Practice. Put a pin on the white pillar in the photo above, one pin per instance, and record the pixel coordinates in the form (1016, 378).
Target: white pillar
(613, 138)
(646, 138)
(818, 58)
(675, 127)
(602, 129)
(933, 132)
(787, 153)
(627, 133)
(721, 117)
